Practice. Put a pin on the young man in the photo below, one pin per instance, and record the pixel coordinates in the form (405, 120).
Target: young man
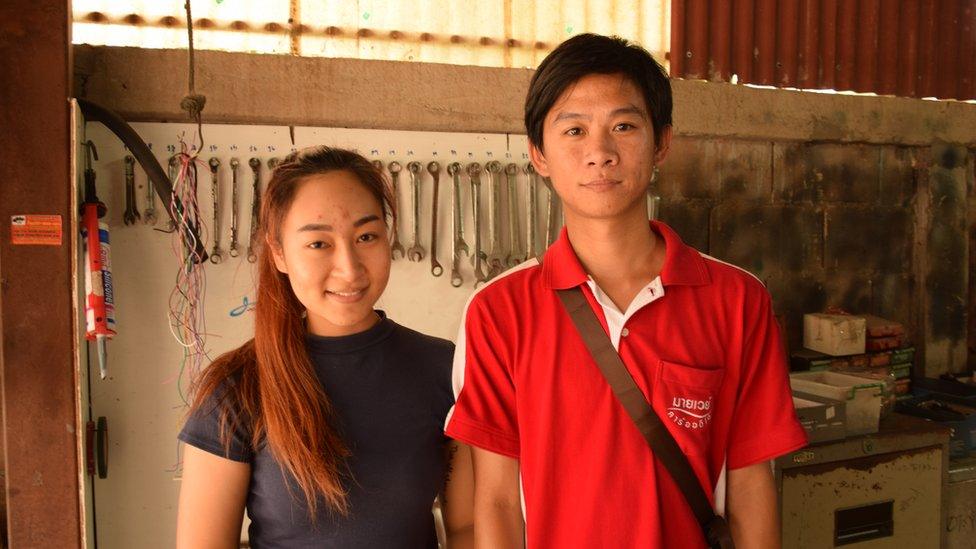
(557, 461)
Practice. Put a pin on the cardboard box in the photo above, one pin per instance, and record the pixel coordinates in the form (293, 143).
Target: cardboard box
(822, 418)
(881, 327)
(883, 343)
(835, 335)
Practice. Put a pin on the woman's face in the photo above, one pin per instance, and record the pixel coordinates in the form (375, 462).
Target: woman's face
(336, 252)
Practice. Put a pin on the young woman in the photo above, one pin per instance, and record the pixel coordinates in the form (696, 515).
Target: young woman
(327, 426)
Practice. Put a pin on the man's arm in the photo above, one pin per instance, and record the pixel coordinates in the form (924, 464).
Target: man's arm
(497, 505)
(751, 507)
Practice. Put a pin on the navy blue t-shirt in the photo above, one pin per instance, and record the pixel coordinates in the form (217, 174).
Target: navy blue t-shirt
(391, 389)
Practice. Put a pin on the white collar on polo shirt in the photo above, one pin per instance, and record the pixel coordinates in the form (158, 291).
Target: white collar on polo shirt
(616, 320)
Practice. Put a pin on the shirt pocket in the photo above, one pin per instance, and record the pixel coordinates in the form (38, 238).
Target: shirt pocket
(684, 398)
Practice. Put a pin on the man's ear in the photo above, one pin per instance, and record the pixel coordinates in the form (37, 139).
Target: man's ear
(277, 255)
(664, 145)
(538, 160)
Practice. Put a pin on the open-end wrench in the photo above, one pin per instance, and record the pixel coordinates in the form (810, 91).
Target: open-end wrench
(457, 225)
(454, 170)
(415, 252)
(173, 172)
(273, 163)
(435, 172)
(550, 221)
(396, 246)
(653, 205)
(234, 202)
(474, 172)
(255, 165)
(515, 253)
(216, 253)
(131, 215)
(474, 208)
(496, 257)
(149, 216)
(532, 212)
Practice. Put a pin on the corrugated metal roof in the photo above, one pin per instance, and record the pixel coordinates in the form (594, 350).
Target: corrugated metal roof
(501, 33)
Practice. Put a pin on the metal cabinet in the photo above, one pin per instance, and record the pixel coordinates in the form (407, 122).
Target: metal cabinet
(960, 526)
(880, 490)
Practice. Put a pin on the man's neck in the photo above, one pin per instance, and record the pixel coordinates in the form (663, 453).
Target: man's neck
(622, 255)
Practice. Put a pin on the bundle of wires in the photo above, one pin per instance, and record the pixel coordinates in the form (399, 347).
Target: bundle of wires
(187, 321)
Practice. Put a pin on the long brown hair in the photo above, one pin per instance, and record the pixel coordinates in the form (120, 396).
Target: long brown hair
(268, 384)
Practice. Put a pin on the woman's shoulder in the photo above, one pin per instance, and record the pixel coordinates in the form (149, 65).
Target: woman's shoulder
(432, 354)
(420, 341)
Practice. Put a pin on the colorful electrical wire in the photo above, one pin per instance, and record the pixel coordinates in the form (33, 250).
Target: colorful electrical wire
(187, 320)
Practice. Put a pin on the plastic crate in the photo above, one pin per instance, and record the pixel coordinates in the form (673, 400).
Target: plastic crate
(862, 396)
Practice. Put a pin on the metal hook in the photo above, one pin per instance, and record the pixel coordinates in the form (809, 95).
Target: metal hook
(91, 155)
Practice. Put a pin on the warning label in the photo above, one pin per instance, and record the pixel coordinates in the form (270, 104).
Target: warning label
(38, 230)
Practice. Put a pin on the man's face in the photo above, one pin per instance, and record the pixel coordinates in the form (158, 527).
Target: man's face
(599, 148)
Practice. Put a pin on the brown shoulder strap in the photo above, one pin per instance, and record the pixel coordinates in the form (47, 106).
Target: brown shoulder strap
(645, 419)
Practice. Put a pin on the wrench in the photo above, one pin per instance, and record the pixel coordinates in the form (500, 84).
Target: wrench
(255, 165)
(474, 172)
(173, 172)
(435, 268)
(454, 170)
(515, 253)
(653, 205)
(149, 216)
(495, 258)
(273, 163)
(532, 214)
(550, 226)
(457, 226)
(215, 255)
(415, 252)
(234, 164)
(395, 169)
(131, 215)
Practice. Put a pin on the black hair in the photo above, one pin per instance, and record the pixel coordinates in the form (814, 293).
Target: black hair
(587, 54)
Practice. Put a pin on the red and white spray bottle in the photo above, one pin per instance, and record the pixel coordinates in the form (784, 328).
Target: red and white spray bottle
(100, 302)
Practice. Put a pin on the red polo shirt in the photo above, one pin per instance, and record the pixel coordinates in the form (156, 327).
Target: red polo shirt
(700, 341)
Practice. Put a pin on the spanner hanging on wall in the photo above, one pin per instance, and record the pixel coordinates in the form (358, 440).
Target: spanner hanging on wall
(415, 252)
(234, 207)
(550, 220)
(457, 225)
(435, 172)
(149, 216)
(496, 257)
(515, 253)
(474, 172)
(532, 212)
(255, 209)
(131, 215)
(396, 246)
(173, 172)
(215, 254)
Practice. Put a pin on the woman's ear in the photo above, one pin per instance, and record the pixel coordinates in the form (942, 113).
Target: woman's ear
(277, 255)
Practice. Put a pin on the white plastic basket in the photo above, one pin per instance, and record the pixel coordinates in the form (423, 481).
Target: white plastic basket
(863, 396)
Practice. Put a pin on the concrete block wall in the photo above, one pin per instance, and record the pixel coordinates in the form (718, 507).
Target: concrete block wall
(823, 224)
